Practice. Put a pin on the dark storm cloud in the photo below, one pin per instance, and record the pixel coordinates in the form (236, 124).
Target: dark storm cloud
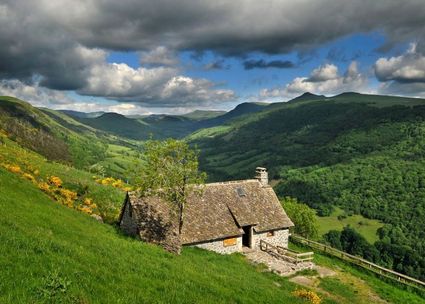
(262, 64)
(62, 42)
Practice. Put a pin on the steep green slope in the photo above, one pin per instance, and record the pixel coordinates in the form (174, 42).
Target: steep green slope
(38, 169)
(52, 254)
(363, 153)
(31, 127)
(49, 254)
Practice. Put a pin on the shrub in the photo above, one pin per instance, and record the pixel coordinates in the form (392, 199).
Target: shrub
(309, 295)
(13, 168)
(29, 177)
(44, 187)
(55, 181)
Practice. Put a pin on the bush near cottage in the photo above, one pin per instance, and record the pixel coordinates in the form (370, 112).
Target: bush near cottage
(309, 295)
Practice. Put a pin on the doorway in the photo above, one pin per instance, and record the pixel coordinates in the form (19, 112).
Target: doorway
(247, 236)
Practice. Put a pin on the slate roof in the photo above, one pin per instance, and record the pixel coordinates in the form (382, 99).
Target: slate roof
(223, 208)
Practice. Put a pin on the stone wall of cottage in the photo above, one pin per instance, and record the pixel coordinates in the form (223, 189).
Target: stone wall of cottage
(128, 223)
(218, 246)
(159, 226)
(280, 238)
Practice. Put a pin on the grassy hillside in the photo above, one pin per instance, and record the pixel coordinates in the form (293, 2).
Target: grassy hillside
(69, 142)
(52, 254)
(363, 153)
(36, 168)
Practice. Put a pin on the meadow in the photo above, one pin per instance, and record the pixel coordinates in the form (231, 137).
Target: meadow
(339, 219)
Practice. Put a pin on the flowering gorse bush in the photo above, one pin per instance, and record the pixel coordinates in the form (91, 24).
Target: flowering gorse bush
(116, 183)
(53, 187)
(13, 168)
(309, 295)
(55, 181)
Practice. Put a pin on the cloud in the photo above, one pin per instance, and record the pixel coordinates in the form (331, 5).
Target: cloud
(120, 81)
(160, 86)
(407, 68)
(322, 80)
(160, 56)
(64, 44)
(262, 64)
(194, 91)
(404, 74)
(36, 95)
(216, 65)
(324, 73)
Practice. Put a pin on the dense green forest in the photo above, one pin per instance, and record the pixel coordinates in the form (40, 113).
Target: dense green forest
(362, 153)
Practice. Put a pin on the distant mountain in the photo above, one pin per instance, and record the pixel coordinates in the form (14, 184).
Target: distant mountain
(162, 126)
(119, 125)
(307, 96)
(203, 114)
(82, 114)
(240, 110)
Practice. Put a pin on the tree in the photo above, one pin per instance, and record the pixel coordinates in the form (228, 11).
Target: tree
(304, 217)
(170, 171)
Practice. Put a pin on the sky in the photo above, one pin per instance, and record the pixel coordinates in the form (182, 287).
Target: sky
(176, 56)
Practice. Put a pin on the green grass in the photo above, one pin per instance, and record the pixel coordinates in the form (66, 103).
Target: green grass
(119, 160)
(366, 227)
(339, 288)
(352, 278)
(52, 254)
(107, 198)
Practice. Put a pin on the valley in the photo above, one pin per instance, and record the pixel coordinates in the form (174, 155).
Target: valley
(357, 160)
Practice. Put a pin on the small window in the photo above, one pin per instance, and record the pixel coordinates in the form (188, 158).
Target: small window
(229, 242)
(270, 233)
(241, 191)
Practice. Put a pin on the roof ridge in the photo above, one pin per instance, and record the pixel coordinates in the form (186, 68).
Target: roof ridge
(232, 182)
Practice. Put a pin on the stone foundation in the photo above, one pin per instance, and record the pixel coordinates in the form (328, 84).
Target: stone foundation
(280, 238)
(219, 247)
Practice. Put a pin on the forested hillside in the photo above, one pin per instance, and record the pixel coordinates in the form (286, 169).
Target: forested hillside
(363, 153)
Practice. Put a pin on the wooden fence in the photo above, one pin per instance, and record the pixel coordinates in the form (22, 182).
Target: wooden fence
(285, 253)
(381, 271)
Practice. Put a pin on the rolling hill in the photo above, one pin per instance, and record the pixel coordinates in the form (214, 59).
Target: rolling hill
(52, 254)
(363, 153)
(163, 126)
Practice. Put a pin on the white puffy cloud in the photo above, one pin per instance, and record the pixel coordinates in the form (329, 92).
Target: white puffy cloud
(122, 81)
(158, 86)
(324, 73)
(35, 94)
(403, 75)
(323, 80)
(409, 67)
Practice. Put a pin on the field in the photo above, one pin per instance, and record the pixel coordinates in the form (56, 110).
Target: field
(364, 226)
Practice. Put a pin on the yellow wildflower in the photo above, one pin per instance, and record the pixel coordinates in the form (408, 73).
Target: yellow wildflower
(13, 168)
(54, 180)
(309, 295)
(29, 177)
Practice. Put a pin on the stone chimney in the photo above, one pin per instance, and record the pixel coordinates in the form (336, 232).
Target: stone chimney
(262, 175)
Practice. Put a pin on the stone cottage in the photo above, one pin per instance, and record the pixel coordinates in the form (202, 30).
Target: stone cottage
(224, 217)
